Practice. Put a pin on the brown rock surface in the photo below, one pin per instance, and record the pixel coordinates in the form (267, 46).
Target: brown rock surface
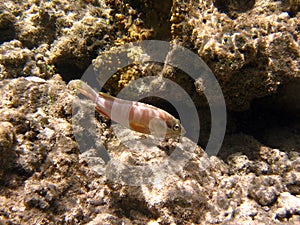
(50, 175)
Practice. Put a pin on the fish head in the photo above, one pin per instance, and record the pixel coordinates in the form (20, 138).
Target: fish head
(166, 128)
(174, 128)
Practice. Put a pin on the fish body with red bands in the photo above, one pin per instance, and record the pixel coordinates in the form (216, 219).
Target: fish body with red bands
(138, 116)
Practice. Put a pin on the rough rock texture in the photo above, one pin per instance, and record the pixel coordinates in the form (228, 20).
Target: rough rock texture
(45, 180)
(52, 173)
(43, 37)
(251, 48)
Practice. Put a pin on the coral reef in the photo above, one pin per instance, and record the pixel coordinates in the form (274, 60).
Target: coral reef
(251, 48)
(39, 158)
(62, 36)
(52, 173)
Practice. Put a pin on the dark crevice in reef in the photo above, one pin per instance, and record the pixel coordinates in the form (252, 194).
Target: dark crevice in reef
(274, 120)
(233, 7)
(73, 68)
(68, 71)
(7, 27)
(259, 120)
(292, 7)
(228, 6)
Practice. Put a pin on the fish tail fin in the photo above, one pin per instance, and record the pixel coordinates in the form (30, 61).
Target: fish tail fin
(87, 91)
(84, 89)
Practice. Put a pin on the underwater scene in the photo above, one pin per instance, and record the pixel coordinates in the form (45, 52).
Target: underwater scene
(133, 112)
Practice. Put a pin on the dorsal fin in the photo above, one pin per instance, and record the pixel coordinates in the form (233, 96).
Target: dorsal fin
(107, 96)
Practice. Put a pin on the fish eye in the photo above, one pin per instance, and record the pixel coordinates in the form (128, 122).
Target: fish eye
(176, 127)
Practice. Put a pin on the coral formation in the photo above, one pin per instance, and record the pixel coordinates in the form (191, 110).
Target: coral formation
(251, 48)
(50, 174)
(40, 158)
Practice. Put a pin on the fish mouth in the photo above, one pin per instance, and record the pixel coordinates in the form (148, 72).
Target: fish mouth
(183, 131)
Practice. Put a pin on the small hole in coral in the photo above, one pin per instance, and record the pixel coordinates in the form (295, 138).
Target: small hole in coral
(234, 5)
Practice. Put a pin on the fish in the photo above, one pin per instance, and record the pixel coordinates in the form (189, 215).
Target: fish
(137, 116)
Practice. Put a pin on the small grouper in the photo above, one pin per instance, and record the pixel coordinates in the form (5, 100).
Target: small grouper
(138, 116)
